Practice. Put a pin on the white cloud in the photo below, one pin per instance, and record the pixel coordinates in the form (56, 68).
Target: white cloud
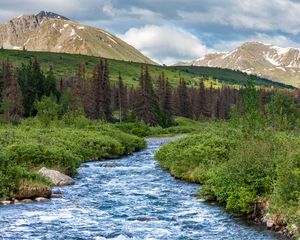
(278, 40)
(275, 15)
(165, 44)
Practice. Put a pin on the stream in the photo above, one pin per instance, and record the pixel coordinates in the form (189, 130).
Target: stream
(135, 200)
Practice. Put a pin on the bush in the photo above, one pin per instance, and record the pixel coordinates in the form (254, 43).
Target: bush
(30, 146)
(239, 168)
(34, 156)
(47, 110)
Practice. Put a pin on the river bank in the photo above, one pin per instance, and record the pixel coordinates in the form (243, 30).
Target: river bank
(255, 175)
(135, 200)
(28, 147)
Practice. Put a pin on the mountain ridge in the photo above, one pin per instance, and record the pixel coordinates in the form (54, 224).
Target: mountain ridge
(265, 60)
(47, 31)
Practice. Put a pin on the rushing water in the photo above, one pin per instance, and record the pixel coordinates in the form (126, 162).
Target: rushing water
(112, 203)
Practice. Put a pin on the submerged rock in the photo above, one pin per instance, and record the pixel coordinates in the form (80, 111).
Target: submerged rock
(31, 191)
(56, 177)
(56, 193)
(109, 165)
(147, 219)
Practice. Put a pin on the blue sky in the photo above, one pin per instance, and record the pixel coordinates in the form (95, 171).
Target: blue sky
(172, 30)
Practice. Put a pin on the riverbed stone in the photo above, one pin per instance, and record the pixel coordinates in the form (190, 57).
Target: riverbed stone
(109, 165)
(26, 201)
(56, 177)
(5, 202)
(147, 219)
(16, 201)
(41, 199)
(31, 191)
(270, 223)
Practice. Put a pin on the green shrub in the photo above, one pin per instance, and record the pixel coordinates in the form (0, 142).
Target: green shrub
(34, 156)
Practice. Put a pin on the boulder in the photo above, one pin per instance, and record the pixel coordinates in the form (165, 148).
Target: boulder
(31, 191)
(16, 201)
(5, 202)
(41, 199)
(109, 165)
(270, 223)
(26, 201)
(56, 177)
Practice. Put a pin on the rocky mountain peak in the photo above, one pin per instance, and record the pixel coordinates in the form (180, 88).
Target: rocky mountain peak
(45, 14)
(51, 32)
(263, 59)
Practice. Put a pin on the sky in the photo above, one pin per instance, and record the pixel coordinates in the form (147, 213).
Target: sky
(169, 31)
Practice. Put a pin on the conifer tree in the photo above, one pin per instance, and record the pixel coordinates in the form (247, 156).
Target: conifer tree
(78, 87)
(184, 104)
(146, 101)
(106, 92)
(12, 98)
(96, 91)
(122, 99)
(50, 87)
(202, 106)
(101, 91)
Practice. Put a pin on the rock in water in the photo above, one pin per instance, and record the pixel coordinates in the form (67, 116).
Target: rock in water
(41, 199)
(5, 202)
(27, 201)
(147, 219)
(109, 165)
(57, 178)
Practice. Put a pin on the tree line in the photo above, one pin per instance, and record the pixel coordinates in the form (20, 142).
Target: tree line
(154, 101)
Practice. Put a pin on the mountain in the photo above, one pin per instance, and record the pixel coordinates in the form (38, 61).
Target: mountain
(265, 60)
(51, 32)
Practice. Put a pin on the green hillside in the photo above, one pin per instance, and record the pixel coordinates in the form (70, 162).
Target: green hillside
(228, 76)
(65, 65)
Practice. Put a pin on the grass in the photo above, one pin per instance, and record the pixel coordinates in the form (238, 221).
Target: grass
(29, 146)
(181, 126)
(239, 169)
(227, 76)
(65, 65)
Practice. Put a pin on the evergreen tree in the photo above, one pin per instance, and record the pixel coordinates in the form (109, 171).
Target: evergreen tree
(146, 102)
(184, 104)
(50, 84)
(78, 87)
(33, 87)
(122, 99)
(12, 105)
(106, 89)
(96, 90)
(201, 105)
(101, 91)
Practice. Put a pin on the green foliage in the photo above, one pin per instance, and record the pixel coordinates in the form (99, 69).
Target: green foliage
(181, 126)
(198, 153)
(239, 169)
(282, 112)
(11, 175)
(63, 145)
(47, 110)
(227, 76)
